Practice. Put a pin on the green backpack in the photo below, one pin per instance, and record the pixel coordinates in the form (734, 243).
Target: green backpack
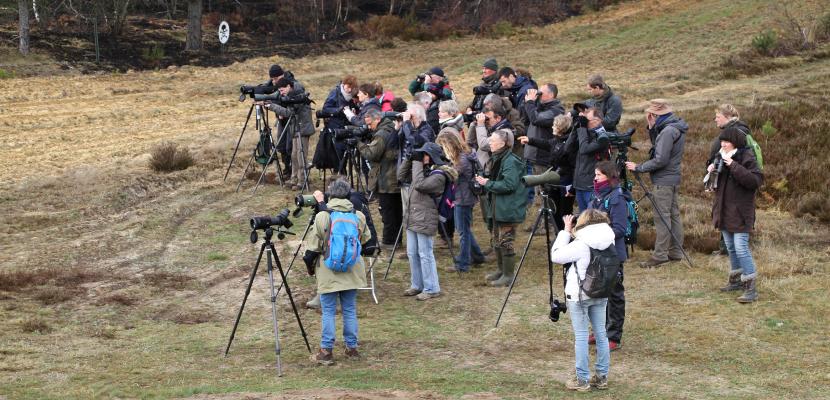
(756, 148)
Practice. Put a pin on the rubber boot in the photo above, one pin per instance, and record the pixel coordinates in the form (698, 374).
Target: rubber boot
(734, 282)
(314, 303)
(508, 268)
(750, 294)
(495, 275)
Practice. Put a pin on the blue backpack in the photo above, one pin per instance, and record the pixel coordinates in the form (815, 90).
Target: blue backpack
(633, 219)
(344, 246)
(446, 201)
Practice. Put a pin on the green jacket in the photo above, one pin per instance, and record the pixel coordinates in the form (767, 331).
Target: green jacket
(506, 193)
(329, 281)
(383, 157)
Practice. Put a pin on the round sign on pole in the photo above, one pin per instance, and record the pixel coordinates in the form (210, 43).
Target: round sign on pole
(224, 32)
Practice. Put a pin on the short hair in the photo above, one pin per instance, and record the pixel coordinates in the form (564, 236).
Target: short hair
(728, 111)
(423, 98)
(398, 104)
(502, 134)
(339, 189)
(350, 80)
(562, 123)
(448, 106)
(497, 108)
(596, 111)
(590, 216)
(373, 114)
(417, 110)
(524, 72)
(283, 82)
(507, 71)
(608, 168)
(378, 88)
(596, 81)
(553, 89)
(368, 88)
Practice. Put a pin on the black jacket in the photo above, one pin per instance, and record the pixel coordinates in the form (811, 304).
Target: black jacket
(540, 126)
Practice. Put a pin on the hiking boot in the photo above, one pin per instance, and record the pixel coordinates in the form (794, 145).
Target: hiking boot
(599, 382)
(323, 357)
(508, 267)
(652, 263)
(750, 294)
(411, 292)
(734, 282)
(612, 345)
(578, 384)
(426, 296)
(352, 353)
(314, 303)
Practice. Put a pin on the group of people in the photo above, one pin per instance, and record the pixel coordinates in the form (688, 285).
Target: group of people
(429, 162)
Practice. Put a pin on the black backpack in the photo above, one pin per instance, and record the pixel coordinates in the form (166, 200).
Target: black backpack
(325, 154)
(602, 273)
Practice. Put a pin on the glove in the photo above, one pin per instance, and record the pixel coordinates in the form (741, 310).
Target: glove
(348, 112)
(581, 121)
(310, 259)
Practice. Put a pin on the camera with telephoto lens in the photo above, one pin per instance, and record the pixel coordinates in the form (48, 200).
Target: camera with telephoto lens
(484, 90)
(253, 90)
(398, 116)
(621, 141)
(556, 308)
(353, 132)
(265, 222)
(549, 177)
(285, 101)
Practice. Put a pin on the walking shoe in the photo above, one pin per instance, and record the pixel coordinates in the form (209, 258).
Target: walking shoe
(592, 339)
(426, 296)
(652, 263)
(323, 357)
(749, 295)
(599, 382)
(612, 345)
(411, 292)
(578, 384)
(352, 353)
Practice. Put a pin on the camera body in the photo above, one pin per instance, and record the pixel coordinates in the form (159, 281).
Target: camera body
(621, 141)
(285, 101)
(556, 308)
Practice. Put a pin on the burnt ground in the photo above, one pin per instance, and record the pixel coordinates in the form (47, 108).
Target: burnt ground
(151, 43)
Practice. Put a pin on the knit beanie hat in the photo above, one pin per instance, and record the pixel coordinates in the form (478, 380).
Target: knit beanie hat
(436, 71)
(275, 71)
(491, 63)
(735, 136)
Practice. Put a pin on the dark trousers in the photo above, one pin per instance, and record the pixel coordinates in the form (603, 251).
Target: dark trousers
(391, 213)
(564, 206)
(615, 311)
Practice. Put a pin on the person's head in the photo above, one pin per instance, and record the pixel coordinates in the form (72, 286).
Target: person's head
(349, 83)
(498, 141)
(732, 138)
(435, 75)
(489, 68)
(275, 73)
(596, 85)
(339, 189)
(365, 92)
(606, 170)
(655, 109)
(562, 124)
(590, 216)
(726, 113)
(594, 116)
(398, 104)
(507, 77)
(417, 114)
(372, 118)
(495, 112)
(548, 92)
(447, 109)
(423, 98)
(432, 154)
(453, 146)
(378, 88)
(285, 86)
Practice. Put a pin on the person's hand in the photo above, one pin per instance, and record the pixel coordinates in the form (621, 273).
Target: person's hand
(523, 139)
(569, 223)
(319, 196)
(727, 161)
(631, 166)
(710, 168)
(469, 111)
(480, 118)
(481, 180)
(531, 95)
(398, 125)
(348, 112)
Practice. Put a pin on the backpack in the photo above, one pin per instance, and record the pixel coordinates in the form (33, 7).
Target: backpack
(344, 246)
(756, 148)
(446, 201)
(264, 147)
(633, 224)
(602, 273)
(326, 154)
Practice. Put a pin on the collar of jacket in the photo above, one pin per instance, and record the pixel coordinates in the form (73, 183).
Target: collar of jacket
(503, 124)
(343, 205)
(453, 121)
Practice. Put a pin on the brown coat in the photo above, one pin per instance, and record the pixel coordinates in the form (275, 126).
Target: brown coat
(734, 208)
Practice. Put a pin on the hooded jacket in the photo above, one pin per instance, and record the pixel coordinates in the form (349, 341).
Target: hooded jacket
(734, 204)
(668, 138)
(589, 149)
(595, 236)
(617, 212)
(611, 107)
(422, 214)
(540, 126)
(370, 104)
(329, 281)
(383, 156)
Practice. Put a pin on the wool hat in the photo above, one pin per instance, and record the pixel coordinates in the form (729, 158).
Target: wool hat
(436, 71)
(491, 63)
(658, 107)
(275, 71)
(435, 152)
(733, 135)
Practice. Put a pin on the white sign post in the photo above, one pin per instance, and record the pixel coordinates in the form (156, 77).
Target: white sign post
(224, 34)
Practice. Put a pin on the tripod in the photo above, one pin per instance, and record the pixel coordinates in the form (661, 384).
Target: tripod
(273, 157)
(264, 131)
(352, 161)
(267, 244)
(545, 213)
(650, 197)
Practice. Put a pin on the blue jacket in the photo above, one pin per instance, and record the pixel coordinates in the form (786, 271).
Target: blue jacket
(519, 91)
(617, 212)
(334, 104)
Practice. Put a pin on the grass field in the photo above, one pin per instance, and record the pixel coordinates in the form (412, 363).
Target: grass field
(117, 282)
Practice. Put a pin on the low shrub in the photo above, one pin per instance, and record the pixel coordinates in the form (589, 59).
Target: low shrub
(766, 42)
(815, 204)
(169, 157)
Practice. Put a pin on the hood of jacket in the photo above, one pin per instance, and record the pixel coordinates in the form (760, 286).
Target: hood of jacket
(672, 120)
(456, 122)
(451, 172)
(343, 205)
(596, 236)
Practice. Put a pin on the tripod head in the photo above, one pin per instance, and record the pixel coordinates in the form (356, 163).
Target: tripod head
(267, 223)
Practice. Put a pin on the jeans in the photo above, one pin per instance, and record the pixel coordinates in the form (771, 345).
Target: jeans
(348, 303)
(593, 310)
(422, 268)
(740, 258)
(463, 216)
(583, 199)
(665, 247)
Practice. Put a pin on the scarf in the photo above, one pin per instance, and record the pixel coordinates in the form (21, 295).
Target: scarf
(598, 186)
(729, 154)
(346, 95)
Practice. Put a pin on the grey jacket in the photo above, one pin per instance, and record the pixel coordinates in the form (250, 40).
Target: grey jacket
(540, 117)
(301, 123)
(589, 149)
(463, 192)
(422, 214)
(611, 107)
(668, 138)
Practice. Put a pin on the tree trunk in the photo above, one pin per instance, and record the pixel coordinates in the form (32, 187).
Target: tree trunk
(194, 25)
(23, 12)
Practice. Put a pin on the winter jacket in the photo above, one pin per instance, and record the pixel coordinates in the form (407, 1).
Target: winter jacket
(715, 148)
(301, 123)
(422, 214)
(611, 107)
(596, 236)
(519, 90)
(540, 126)
(617, 211)
(385, 101)
(589, 149)
(464, 195)
(441, 90)
(409, 139)
(506, 194)
(329, 281)
(491, 82)
(334, 105)
(518, 125)
(482, 135)
(668, 137)
(383, 157)
(560, 158)
(370, 104)
(454, 125)
(734, 205)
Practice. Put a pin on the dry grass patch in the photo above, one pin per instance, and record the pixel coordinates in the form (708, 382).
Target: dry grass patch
(118, 299)
(35, 325)
(168, 280)
(169, 157)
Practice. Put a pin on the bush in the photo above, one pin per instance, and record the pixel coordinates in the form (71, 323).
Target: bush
(502, 28)
(814, 204)
(822, 32)
(168, 157)
(6, 74)
(766, 43)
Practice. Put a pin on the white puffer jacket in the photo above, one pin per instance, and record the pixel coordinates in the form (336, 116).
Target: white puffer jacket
(596, 236)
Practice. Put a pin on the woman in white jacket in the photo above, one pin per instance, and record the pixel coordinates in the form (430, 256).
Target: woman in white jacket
(591, 231)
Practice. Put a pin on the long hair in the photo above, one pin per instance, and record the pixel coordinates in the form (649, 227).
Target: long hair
(453, 146)
(590, 216)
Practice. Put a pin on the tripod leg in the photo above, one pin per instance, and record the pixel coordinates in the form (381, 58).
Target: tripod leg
(519, 268)
(247, 166)
(244, 299)
(233, 157)
(290, 297)
(294, 257)
(265, 169)
(277, 349)
(392, 253)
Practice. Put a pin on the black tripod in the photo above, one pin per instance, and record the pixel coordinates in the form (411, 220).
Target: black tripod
(352, 165)
(266, 244)
(264, 146)
(657, 211)
(545, 213)
(273, 158)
